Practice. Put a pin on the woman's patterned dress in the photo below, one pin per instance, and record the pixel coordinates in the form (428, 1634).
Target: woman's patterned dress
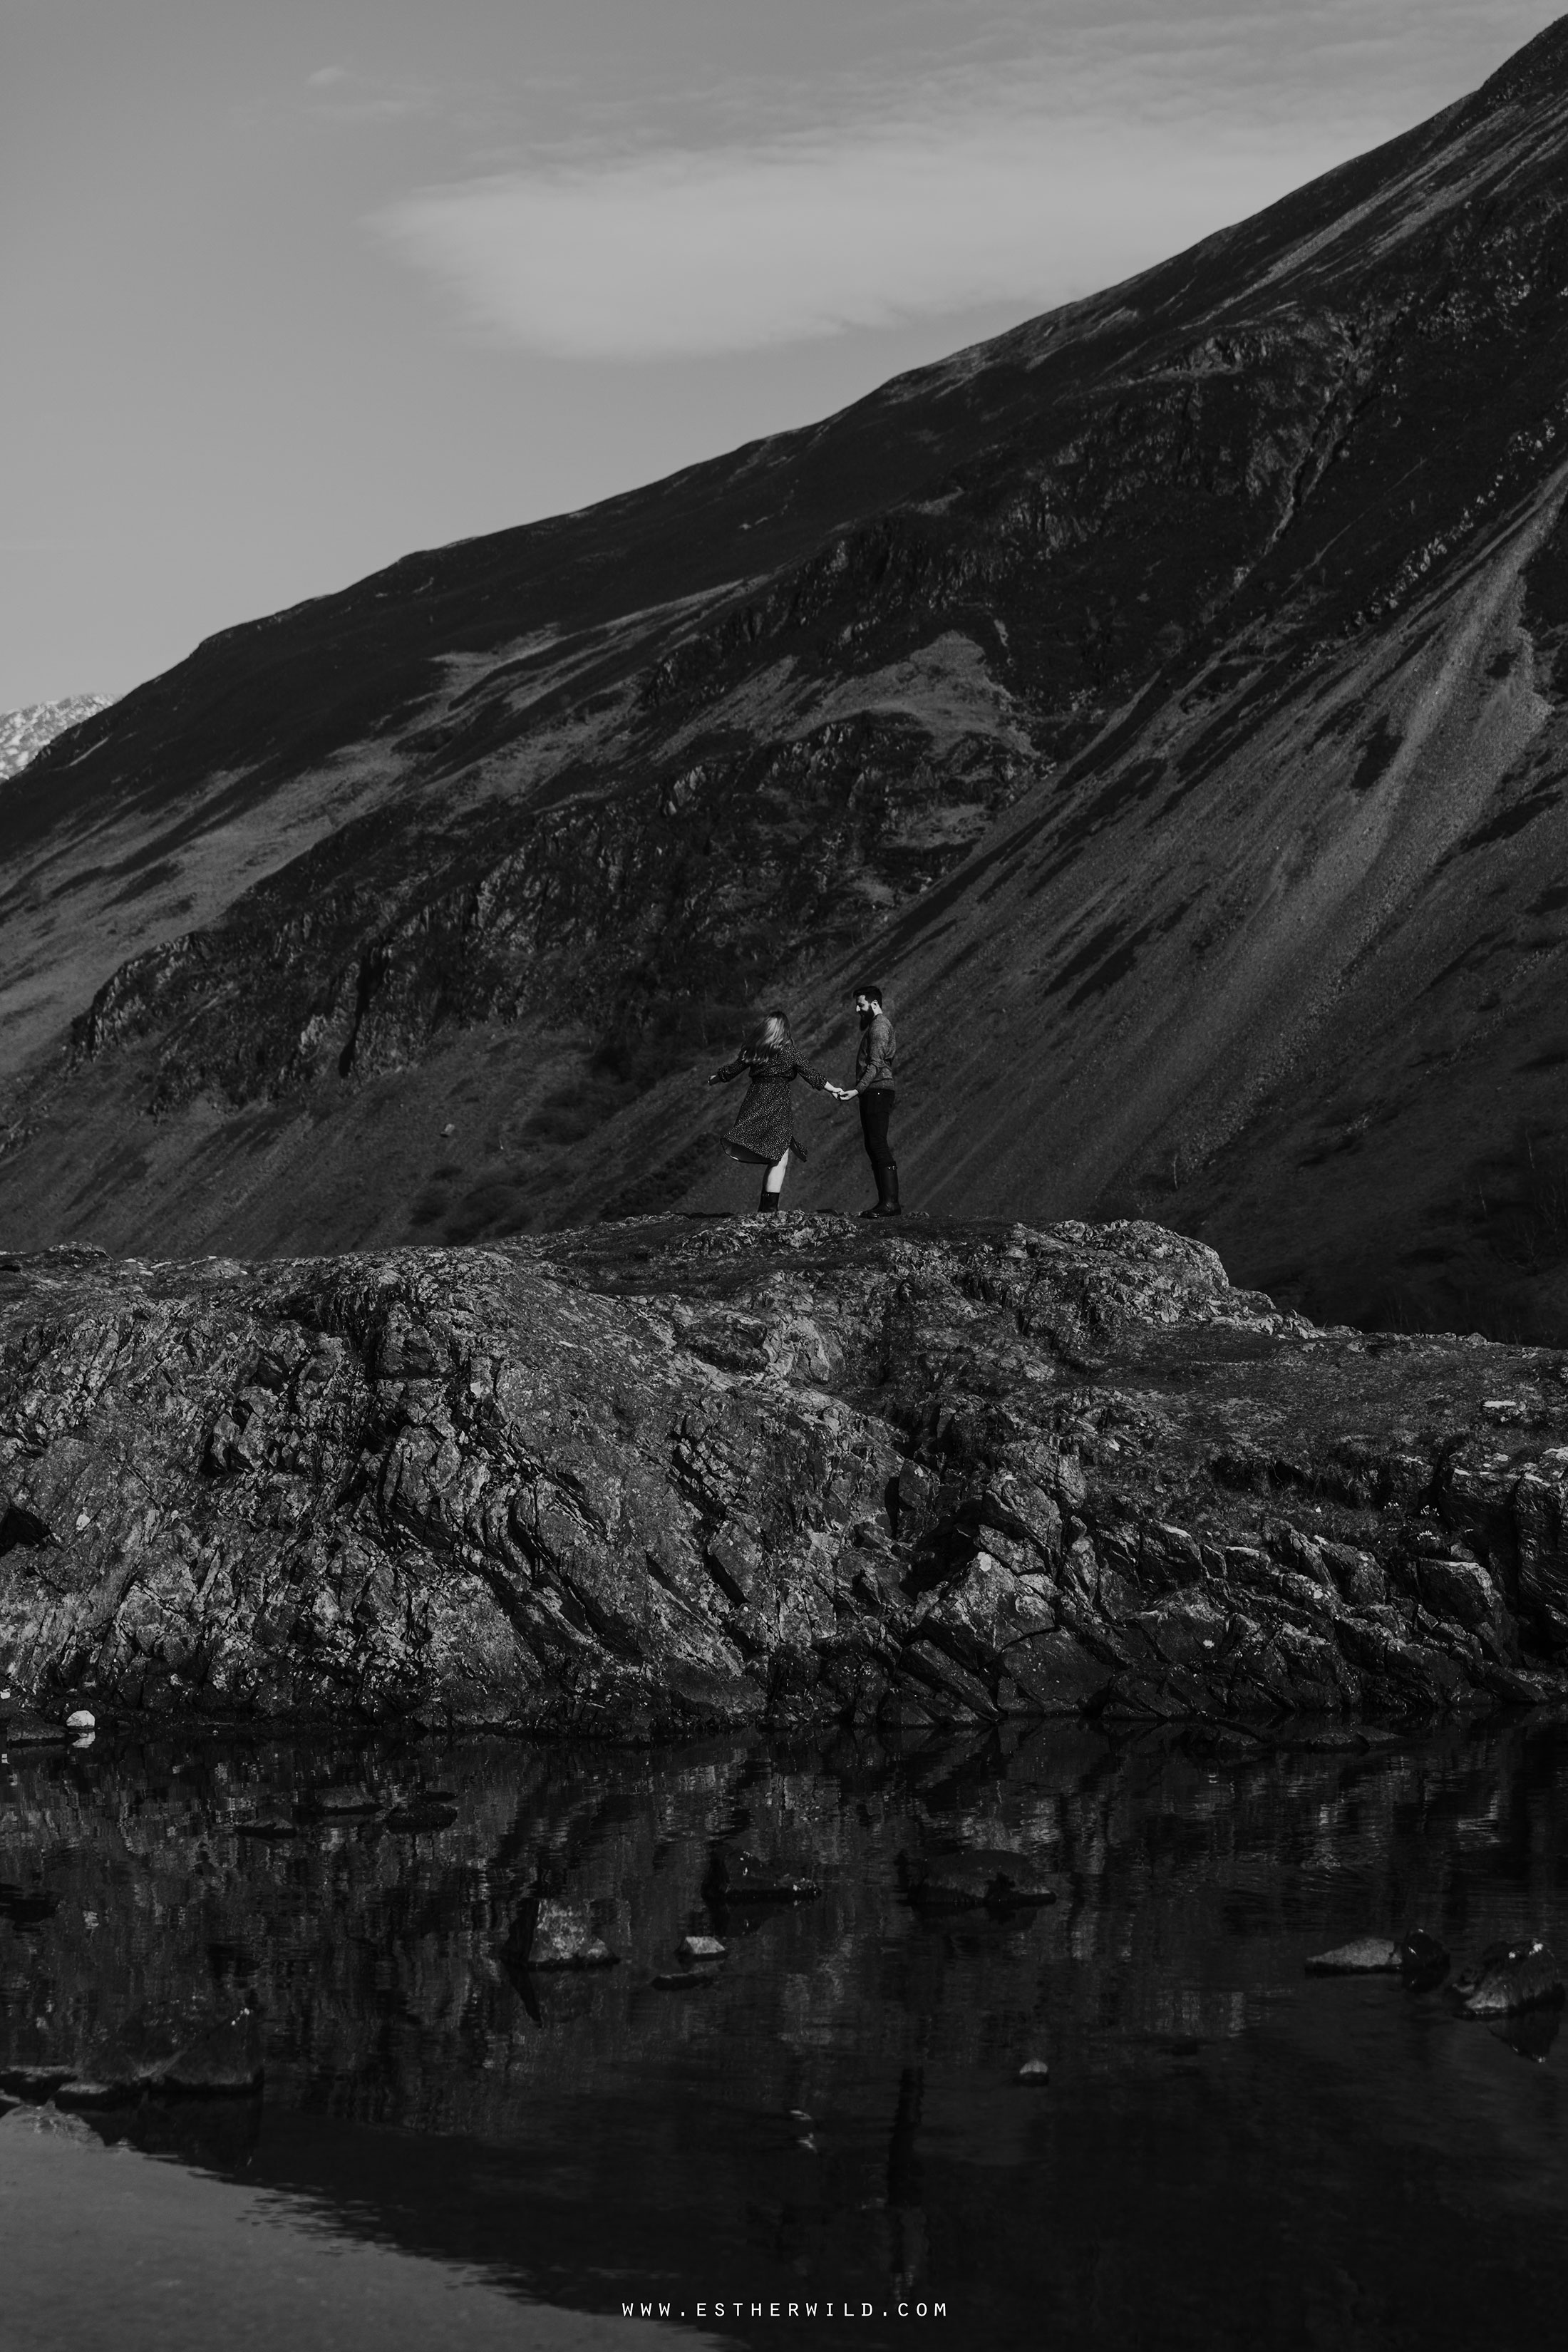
(763, 1130)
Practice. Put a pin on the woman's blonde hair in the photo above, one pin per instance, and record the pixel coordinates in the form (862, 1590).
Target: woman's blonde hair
(773, 1032)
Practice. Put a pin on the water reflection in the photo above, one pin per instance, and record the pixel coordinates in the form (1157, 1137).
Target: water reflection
(1225, 2150)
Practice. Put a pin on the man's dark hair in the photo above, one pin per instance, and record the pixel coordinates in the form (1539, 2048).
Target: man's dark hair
(870, 988)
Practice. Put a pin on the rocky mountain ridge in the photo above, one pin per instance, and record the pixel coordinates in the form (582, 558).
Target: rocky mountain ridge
(25, 732)
(1163, 699)
(672, 1475)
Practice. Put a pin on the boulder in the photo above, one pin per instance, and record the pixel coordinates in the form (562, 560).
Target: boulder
(701, 1948)
(267, 1825)
(1510, 1977)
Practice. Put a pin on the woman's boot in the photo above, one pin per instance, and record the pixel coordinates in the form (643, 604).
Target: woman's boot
(769, 1199)
(888, 1186)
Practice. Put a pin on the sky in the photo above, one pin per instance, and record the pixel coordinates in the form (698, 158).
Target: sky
(292, 288)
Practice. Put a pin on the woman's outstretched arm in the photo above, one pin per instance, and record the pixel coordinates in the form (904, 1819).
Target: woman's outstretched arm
(813, 1078)
(725, 1072)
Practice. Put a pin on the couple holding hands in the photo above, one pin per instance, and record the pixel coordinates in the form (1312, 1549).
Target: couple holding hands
(763, 1132)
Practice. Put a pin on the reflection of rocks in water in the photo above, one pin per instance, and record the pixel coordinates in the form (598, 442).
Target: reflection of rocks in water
(737, 1875)
(1510, 1977)
(909, 2248)
(1531, 2032)
(551, 1934)
(419, 1818)
(23, 1909)
(347, 1803)
(970, 1878)
(1423, 1962)
(396, 1982)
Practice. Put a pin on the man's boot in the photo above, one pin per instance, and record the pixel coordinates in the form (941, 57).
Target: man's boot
(888, 1185)
(769, 1199)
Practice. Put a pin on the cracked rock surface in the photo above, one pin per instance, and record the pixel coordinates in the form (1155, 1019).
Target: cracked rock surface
(662, 1476)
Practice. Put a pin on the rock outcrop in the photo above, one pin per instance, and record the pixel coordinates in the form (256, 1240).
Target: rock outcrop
(672, 1475)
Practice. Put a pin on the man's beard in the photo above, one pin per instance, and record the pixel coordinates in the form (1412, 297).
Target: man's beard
(868, 1017)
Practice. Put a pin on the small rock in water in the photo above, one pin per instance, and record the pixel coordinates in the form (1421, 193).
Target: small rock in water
(969, 1876)
(267, 1825)
(1423, 1962)
(947, 1881)
(685, 1980)
(349, 1802)
(1016, 1884)
(414, 1817)
(735, 1875)
(701, 1948)
(25, 1727)
(86, 2091)
(563, 1936)
(223, 2063)
(1033, 2070)
(1509, 1977)
(48, 2120)
(1367, 1955)
(34, 2081)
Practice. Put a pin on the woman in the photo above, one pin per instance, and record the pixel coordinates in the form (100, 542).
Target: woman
(764, 1133)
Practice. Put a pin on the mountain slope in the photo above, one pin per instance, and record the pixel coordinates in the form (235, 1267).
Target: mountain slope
(1164, 698)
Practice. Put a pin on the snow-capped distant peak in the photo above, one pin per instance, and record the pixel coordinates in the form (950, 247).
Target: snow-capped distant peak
(23, 733)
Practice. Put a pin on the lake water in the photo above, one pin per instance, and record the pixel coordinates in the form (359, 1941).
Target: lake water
(1227, 2152)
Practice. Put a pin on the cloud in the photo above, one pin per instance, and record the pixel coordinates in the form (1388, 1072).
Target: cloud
(678, 251)
(337, 95)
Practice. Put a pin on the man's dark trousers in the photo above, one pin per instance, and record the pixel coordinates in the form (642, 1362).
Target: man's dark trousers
(876, 1108)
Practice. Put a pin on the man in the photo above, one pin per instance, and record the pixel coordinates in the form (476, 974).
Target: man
(874, 1087)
